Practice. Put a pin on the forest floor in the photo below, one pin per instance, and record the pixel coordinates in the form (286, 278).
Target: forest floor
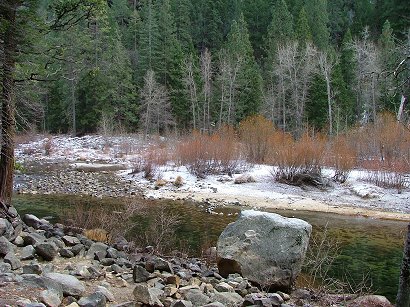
(120, 155)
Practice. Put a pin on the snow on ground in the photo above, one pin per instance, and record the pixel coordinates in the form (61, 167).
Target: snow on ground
(99, 152)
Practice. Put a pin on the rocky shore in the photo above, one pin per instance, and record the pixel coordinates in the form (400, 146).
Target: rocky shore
(42, 264)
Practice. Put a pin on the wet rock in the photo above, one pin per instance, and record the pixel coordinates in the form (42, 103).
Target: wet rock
(46, 250)
(96, 299)
(28, 252)
(266, 248)
(71, 285)
(12, 259)
(139, 274)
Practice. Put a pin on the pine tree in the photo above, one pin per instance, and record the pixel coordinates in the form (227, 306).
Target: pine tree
(318, 20)
(303, 32)
(182, 11)
(347, 59)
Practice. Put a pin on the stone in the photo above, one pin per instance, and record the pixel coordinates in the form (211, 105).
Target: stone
(34, 268)
(71, 285)
(229, 299)
(107, 293)
(116, 268)
(107, 261)
(96, 299)
(370, 300)
(214, 304)
(36, 281)
(145, 295)
(224, 287)
(173, 280)
(139, 274)
(99, 248)
(5, 268)
(32, 221)
(50, 298)
(46, 250)
(265, 248)
(275, 299)
(161, 265)
(76, 249)
(197, 297)
(27, 252)
(181, 303)
(6, 229)
(59, 243)
(5, 247)
(18, 241)
(12, 259)
(112, 253)
(66, 253)
(70, 240)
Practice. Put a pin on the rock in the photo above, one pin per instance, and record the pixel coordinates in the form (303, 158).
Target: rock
(28, 252)
(70, 240)
(181, 303)
(71, 285)
(214, 304)
(229, 299)
(145, 295)
(34, 268)
(50, 298)
(32, 221)
(197, 297)
(18, 241)
(96, 299)
(5, 246)
(59, 243)
(66, 253)
(159, 264)
(224, 287)
(6, 229)
(302, 294)
(12, 259)
(107, 261)
(139, 274)
(370, 300)
(41, 282)
(265, 248)
(108, 295)
(5, 268)
(32, 238)
(275, 299)
(95, 248)
(46, 250)
(112, 253)
(76, 249)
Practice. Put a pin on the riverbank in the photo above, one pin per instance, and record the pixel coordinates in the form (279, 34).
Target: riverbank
(103, 166)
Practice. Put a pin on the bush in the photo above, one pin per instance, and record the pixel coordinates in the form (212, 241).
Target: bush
(255, 132)
(342, 157)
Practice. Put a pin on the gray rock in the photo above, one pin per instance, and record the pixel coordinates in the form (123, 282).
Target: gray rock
(28, 252)
(18, 241)
(229, 299)
(71, 285)
(76, 249)
(6, 229)
(370, 300)
(96, 299)
(266, 248)
(95, 248)
(32, 221)
(275, 299)
(107, 261)
(112, 253)
(5, 246)
(197, 297)
(107, 293)
(181, 303)
(70, 240)
(50, 297)
(223, 287)
(42, 282)
(145, 295)
(34, 268)
(116, 268)
(46, 250)
(59, 243)
(160, 264)
(66, 253)
(126, 304)
(5, 268)
(12, 259)
(139, 274)
(214, 304)
(32, 238)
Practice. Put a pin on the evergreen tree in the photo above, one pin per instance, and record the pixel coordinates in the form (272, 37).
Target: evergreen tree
(182, 10)
(347, 60)
(318, 20)
(303, 32)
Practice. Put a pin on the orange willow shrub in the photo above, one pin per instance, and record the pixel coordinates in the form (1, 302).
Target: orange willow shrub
(209, 154)
(343, 157)
(293, 158)
(255, 132)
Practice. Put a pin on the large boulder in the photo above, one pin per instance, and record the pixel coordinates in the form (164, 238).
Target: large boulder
(266, 248)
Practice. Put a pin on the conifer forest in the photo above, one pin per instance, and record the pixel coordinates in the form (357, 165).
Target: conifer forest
(159, 66)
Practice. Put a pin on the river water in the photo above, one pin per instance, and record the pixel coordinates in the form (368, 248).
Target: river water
(369, 248)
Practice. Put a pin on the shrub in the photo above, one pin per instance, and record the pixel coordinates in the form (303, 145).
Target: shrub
(255, 132)
(343, 158)
(178, 182)
(97, 234)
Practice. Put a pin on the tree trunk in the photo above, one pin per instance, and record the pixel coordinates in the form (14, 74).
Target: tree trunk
(403, 294)
(8, 106)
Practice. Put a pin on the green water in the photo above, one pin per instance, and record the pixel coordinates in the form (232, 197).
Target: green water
(368, 247)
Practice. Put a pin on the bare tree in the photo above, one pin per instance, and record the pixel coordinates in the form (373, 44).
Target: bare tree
(206, 73)
(326, 65)
(156, 107)
(191, 86)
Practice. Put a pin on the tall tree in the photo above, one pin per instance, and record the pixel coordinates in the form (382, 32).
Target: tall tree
(302, 31)
(318, 20)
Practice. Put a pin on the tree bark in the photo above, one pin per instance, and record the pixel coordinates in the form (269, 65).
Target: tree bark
(403, 294)
(8, 105)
